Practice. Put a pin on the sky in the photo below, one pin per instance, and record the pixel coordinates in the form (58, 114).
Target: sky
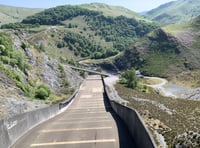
(135, 5)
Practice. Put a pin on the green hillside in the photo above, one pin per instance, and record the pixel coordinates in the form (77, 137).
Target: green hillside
(166, 51)
(36, 49)
(10, 14)
(175, 12)
(77, 32)
(114, 11)
(86, 33)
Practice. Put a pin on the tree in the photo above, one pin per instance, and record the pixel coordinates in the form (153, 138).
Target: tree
(129, 78)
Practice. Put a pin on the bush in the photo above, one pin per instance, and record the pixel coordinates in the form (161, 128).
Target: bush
(60, 44)
(42, 92)
(129, 78)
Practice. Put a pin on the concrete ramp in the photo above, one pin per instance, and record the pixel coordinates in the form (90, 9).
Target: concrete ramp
(88, 123)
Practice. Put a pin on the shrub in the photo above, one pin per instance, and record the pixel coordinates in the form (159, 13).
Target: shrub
(42, 92)
(129, 78)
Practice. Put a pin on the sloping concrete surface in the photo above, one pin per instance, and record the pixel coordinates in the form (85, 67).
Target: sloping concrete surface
(88, 123)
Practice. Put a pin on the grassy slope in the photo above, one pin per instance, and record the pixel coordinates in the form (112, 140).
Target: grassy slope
(188, 35)
(10, 14)
(50, 38)
(81, 23)
(175, 12)
(162, 63)
(83, 28)
(112, 10)
(47, 36)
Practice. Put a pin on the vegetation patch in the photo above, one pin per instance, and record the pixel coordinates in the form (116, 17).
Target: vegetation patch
(130, 80)
(151, 81)
(89, 33)
(156, 54)
(188, 79)
(183, 116)
(156, 64)
(42, 92)
(81, 46)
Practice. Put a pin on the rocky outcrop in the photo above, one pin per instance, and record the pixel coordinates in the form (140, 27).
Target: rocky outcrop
(43, 70)
(194, 94)
(75, 79)
(50, 72)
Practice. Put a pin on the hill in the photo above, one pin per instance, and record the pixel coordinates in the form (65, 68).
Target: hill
(175, 12)
(9, 14)
(165, 52)
(30, 79)
(87, 33)
(34, 52)
(113, 11)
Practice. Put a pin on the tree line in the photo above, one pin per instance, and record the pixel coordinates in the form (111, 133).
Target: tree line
(83, 47)
(55, 16)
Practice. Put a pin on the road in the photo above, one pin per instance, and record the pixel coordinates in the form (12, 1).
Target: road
(89, 122)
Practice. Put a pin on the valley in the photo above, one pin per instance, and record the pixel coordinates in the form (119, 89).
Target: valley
(36, 50)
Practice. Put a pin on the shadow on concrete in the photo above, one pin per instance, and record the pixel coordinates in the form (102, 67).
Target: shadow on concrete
(125, 138)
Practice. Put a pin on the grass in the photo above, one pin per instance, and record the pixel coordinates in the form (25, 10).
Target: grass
(10, 14)
(157, 63)
(97, 61)
(188, 79)
(112, 10)
(174, 29)
(176, 12)
(39, 29)
(185, 113)
(53, 99)
(88, 33)
(151, 81)
(50, 38)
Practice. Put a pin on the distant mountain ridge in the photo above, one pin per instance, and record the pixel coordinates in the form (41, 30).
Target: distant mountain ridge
(175, 12)
(10, 14)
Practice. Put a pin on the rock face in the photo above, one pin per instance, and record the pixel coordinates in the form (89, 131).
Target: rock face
(50, 73)
(44, 70)
(52, 76)
(13, 101)
(75, 79)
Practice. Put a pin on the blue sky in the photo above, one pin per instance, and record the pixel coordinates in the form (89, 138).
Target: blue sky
(135, 5)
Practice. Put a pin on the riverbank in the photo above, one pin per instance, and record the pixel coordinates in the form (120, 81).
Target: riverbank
(168, 89)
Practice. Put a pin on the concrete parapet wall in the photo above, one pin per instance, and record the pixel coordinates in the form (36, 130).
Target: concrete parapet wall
(11, 129)
(133, 121)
